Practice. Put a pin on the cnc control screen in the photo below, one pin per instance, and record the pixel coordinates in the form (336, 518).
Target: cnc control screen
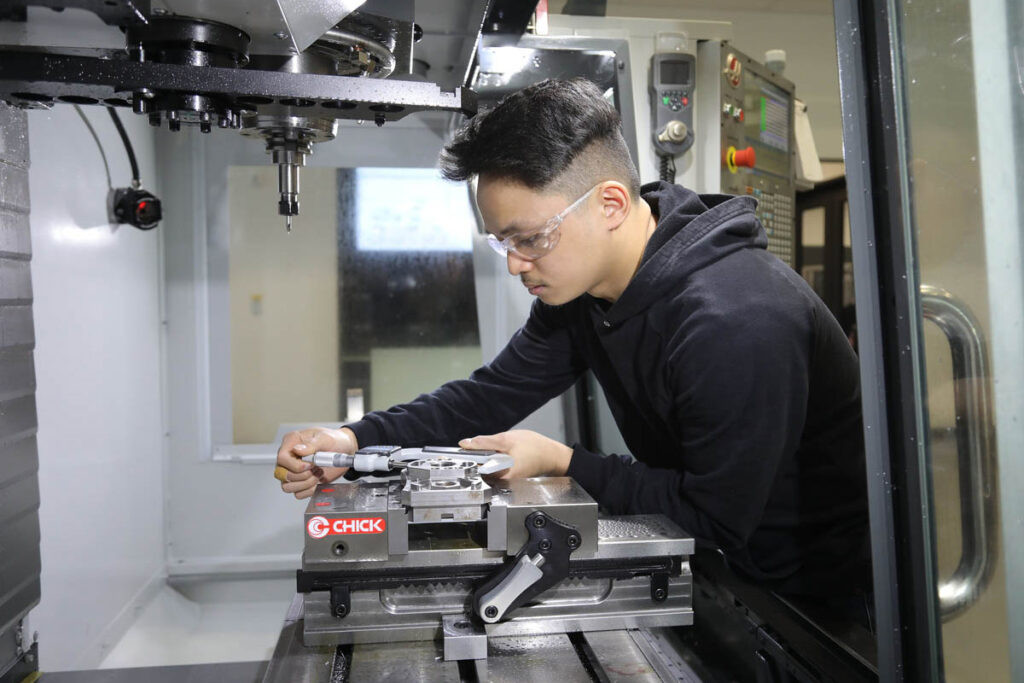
(767, 124)
(674, 73)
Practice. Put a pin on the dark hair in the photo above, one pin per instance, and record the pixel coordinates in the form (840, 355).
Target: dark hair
(555, 135)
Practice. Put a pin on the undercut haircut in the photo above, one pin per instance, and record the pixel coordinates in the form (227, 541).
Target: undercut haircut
(554, 136)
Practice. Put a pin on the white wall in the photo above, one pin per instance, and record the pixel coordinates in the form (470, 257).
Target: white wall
(97, 318)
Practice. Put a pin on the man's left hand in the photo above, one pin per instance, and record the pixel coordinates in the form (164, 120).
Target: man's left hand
(535, 455)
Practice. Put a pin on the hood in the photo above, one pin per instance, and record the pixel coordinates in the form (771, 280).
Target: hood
(693, 232)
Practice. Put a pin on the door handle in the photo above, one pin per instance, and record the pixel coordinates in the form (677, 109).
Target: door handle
(975, 451)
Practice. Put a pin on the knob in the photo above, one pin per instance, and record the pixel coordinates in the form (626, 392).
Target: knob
(733, 70)
(675, 132)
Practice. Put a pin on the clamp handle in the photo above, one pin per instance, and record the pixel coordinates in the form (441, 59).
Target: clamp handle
(540, 564)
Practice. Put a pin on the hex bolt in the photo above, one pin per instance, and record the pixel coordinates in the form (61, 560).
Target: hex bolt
(545, 545)
(659, 594)
(280, 35)
(573, 541)
(174, 125)
(379, 119)
(491, 612)
(540, 521)
(340, 611)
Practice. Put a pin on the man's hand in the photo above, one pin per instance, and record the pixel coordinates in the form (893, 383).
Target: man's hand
(535, 455)
(300, 477)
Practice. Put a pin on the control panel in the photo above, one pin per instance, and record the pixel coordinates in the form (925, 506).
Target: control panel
(757, 144)
(672, 80)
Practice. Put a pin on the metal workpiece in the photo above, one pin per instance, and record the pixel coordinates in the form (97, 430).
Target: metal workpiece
(444, 489)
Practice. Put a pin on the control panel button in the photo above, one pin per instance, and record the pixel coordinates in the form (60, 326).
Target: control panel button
(734, 158)
(733, 70)
(745, 157)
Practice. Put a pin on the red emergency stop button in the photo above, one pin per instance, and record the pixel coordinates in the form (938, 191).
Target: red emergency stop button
(745, 157)
(734, 158)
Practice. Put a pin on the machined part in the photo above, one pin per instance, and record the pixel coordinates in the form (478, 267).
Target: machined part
(444, 489)
(443, 472)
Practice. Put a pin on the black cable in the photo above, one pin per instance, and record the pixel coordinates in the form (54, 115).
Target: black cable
(96, 138)
(667, 168)
(127, 146)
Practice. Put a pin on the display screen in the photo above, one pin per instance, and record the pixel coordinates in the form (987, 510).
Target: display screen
(674, 73)
(767, 123)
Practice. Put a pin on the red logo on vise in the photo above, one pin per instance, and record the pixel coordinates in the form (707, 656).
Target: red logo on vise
(318, 526)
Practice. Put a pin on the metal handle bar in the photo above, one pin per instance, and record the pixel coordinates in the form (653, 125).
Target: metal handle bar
(976, 456)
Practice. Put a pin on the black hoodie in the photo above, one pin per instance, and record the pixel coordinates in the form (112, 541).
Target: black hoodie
(730, 381)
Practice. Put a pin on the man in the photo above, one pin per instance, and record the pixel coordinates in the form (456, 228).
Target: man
(731, 383)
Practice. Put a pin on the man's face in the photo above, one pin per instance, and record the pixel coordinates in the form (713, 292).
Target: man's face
(568, 270)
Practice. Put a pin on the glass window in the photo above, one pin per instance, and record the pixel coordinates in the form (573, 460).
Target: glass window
(812, 244)
(369, 301)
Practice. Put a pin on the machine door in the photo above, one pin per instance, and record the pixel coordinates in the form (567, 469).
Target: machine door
(933, 99)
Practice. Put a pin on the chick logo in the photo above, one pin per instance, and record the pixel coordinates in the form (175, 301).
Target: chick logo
(318, 527)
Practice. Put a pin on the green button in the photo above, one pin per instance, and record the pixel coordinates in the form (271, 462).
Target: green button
(665, 100)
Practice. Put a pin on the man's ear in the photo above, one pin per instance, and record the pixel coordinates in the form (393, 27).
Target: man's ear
(615, 203)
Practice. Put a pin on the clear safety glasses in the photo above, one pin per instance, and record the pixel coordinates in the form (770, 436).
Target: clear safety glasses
(531, 246)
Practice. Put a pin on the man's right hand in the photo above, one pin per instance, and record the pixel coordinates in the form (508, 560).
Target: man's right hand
(301, 478)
